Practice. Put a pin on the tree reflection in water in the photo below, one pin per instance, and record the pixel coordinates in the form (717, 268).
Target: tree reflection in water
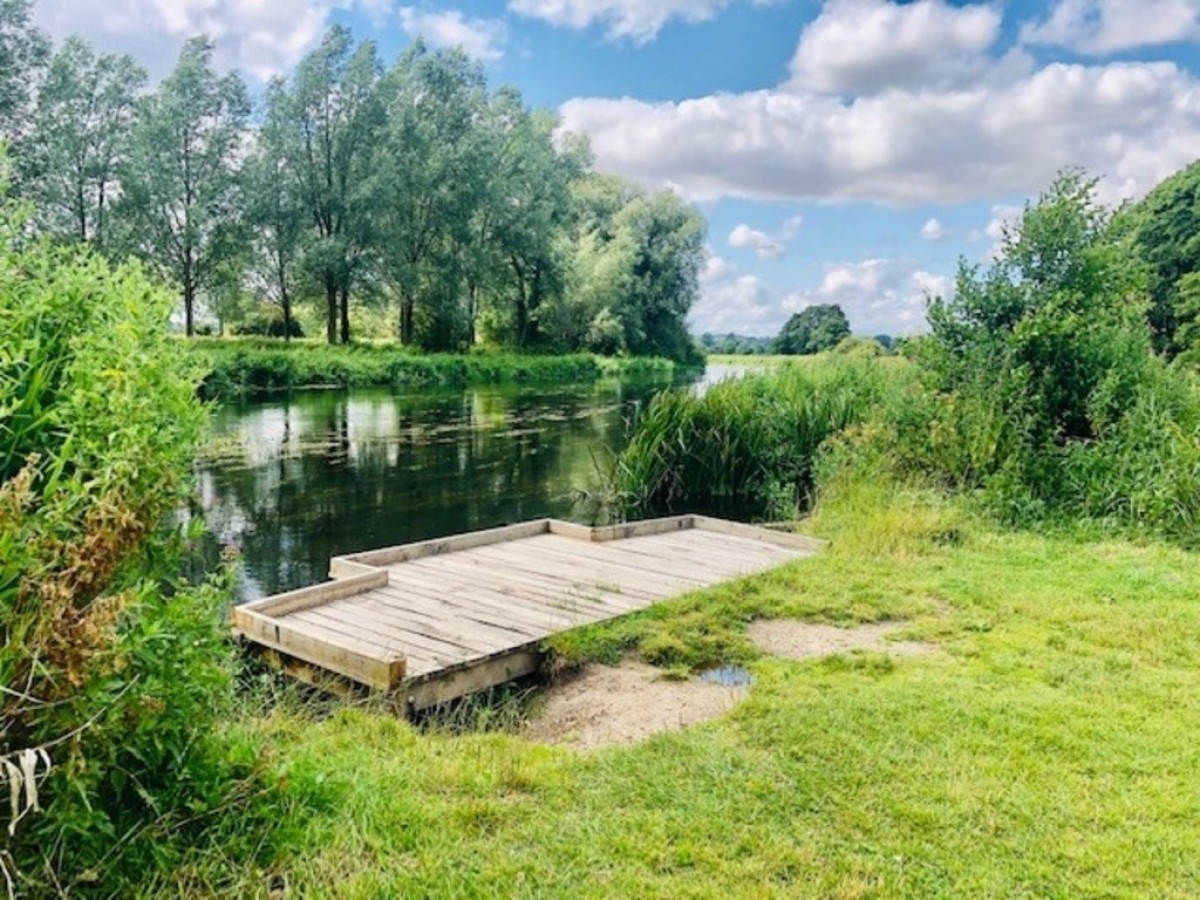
(319, 474)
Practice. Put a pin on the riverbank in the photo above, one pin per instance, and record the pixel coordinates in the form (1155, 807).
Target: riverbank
(244, 368)
(1038, 747)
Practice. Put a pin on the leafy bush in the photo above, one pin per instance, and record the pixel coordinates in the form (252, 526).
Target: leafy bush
(117, 676)
(1044, 393)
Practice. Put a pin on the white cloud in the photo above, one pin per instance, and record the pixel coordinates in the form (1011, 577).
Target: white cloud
(766, 246)
(934, 230)
(743, 237)
(1100, 27)
(790, 228)
(481, 39)
(1135, 123)
(716, 268)
(878, 296)
(637, 20)
(1003, 216)
(739, 304)
(260, 37)
(865, 46)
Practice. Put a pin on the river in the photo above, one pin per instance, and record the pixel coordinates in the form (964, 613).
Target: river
(293, 480)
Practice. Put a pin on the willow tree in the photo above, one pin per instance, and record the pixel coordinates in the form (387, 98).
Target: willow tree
(181, 195)
(330, 117)
(23, 53)
(85, 113)
(432, 177)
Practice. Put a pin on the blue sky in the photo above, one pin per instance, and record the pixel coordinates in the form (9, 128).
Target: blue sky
(847, 151)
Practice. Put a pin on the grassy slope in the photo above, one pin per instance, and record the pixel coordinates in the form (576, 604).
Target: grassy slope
(1048, 750)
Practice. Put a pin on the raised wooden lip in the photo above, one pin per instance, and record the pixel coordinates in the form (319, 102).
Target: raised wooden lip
(356, 573)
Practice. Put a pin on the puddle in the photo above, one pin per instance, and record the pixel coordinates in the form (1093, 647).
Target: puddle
(727, 676)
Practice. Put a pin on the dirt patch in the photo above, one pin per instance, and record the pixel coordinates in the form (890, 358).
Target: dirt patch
(794, 639)
(607, 706)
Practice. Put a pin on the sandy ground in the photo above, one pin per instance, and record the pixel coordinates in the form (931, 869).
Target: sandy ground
(605, 706)
(794, 639)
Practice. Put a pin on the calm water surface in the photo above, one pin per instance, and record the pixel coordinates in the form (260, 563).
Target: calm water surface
(294, 480)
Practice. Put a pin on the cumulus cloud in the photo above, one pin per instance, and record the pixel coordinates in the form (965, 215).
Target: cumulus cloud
(766, 246)
(260, 37)
(743, 237)
(741, 304)
(878, 296)
(1133, 122)
(481, 39)
(1100, 27)
(636, 20)
(865, 46)
(934, 230)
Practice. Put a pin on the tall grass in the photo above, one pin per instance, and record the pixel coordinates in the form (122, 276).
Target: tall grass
(245, 368)
(747, 444)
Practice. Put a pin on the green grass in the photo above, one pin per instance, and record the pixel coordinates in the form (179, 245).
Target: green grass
(1048, 749)
(750, 359)
(245, 367)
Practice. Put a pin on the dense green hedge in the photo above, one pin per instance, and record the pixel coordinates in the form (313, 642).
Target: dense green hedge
(242, 368)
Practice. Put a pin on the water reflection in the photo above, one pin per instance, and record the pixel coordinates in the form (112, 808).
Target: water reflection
(306, 477)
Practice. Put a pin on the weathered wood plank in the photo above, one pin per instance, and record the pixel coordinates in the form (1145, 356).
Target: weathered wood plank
(537, 577)
(444, 608)
(365, 626)
(456, 589)
(358, 663)
(451, 685)
(645, 528)
(766, 535)
(436, 547)
(720, 554)
(307, 598)
(619, 567)
(341, 567)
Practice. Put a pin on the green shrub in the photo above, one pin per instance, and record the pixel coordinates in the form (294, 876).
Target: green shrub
(117, 675)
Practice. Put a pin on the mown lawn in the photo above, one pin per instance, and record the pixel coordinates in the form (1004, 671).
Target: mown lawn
(1048, 748)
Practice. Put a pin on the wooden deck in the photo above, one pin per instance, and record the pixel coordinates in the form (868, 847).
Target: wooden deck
(440, 619)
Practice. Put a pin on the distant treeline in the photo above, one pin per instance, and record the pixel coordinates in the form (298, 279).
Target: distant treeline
(411, 193)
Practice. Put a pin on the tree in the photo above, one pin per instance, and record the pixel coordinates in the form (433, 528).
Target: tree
(1053, 337)
(433, 182)
(335, 115)
(81, 127)
(530, 206)
(815, 328)
(636, 263)
(181, 192)
(1163, 230)
(275, 211)
(23, 53)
